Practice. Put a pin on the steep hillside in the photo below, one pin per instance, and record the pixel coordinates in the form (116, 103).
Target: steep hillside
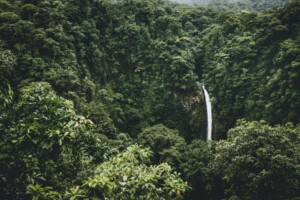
(236, 5)
(102, 99)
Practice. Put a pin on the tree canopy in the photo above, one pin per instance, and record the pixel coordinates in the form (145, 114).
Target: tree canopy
(99, 99)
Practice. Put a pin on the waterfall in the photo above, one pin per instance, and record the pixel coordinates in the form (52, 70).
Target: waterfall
(209, 114)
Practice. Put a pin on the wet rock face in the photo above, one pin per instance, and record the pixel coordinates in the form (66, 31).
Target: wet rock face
(194, 108)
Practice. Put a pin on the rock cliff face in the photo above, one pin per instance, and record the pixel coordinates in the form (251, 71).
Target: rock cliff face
(195, 113)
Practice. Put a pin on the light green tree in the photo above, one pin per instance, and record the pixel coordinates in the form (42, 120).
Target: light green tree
(45, 143)
(126, 176)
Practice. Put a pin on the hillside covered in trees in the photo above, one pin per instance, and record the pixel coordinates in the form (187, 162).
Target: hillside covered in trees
(99, 100)
(254, 5)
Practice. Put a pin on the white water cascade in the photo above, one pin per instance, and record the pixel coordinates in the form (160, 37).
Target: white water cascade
(209, 114)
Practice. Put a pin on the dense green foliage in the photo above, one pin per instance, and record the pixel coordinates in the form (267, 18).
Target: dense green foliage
(197, 168)
(255, 48)
(81, 82)
(127, 177)
(46, 150)
(45, 142)
(165, 143)
(253, 5)
(237, 5)
(260, 162)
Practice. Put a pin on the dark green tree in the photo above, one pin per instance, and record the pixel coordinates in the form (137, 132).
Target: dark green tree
(166, 144)
(258, 161)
